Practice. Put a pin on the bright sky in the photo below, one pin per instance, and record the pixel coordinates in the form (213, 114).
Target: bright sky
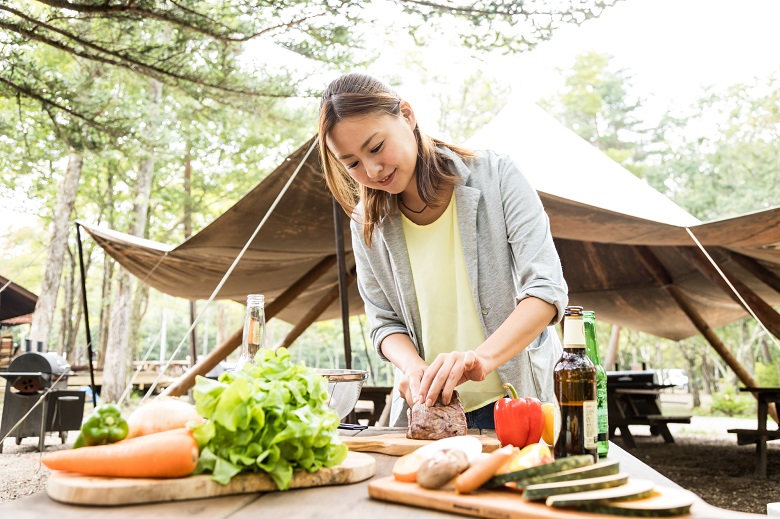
(672, 47)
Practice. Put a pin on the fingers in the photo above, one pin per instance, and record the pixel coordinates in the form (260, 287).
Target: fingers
(441, 377)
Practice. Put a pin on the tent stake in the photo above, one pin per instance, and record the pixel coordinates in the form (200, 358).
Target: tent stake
(86, 317)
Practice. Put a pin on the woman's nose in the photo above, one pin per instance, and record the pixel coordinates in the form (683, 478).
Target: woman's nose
(374, 170)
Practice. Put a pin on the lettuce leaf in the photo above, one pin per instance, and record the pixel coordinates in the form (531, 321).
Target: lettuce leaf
(270, 417)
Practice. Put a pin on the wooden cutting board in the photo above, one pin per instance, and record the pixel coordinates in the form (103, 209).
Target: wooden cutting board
(510, 505)
(397, 444)
(72, 488)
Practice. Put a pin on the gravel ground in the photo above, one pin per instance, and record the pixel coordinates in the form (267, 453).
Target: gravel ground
(711, 465)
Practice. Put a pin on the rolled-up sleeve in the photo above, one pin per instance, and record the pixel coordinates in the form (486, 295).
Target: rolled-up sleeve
(536, 263)
(383, 318)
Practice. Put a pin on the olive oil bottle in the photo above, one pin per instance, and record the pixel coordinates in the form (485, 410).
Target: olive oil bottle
(575, 389)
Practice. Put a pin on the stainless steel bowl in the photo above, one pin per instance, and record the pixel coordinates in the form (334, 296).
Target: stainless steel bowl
(343, 388)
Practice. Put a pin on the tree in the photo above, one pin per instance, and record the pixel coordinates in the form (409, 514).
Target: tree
(738, 153)
(597, 105)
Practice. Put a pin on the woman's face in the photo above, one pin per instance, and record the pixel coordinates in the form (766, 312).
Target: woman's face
(378, 151)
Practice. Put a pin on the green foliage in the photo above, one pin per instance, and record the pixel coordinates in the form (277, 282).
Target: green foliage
(597, 105)
(729, 402)
(767, 375)
(728, 143)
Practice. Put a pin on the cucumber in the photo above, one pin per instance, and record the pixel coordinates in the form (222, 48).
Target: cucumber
(545, 490)
(572, 462)
(602, 468)
(634, 489)
(664, 502)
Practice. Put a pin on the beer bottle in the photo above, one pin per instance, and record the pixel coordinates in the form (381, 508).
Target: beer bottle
(254, 330)
(592, 347)
(575, 389)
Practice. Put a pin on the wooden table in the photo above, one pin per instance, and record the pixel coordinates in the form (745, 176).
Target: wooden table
(639, 406)
(342, 502)
(760, 435)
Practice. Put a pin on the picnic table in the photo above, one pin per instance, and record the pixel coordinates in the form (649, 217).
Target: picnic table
(343, 502)
(639, 406)
(760, 435)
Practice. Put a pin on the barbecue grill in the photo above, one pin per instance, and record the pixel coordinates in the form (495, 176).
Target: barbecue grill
(29, 376)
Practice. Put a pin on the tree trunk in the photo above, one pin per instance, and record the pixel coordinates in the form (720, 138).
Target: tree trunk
(115, 373)
(108, 275)
(47, 298)
(187, 234)
(119, 350)
(693, 387)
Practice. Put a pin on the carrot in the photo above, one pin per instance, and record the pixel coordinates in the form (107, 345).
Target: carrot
(479, 473)
(168, 454)
(406, 467)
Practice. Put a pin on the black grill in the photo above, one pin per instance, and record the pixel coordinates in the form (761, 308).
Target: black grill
(631, 379)
(29, 375)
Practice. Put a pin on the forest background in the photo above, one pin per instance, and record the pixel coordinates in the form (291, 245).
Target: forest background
(154, 119)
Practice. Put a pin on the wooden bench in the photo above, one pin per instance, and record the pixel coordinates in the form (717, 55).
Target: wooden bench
(760, 435)
(750, 436)
(639, 406)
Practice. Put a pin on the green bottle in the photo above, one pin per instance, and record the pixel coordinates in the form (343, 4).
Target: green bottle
(592, 348)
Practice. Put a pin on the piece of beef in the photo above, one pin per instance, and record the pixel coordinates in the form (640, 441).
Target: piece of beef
(437, 422)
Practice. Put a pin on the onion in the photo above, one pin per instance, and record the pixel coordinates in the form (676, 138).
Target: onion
(162, 414)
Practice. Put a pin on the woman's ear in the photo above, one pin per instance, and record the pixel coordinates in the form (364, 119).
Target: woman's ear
(408, 114)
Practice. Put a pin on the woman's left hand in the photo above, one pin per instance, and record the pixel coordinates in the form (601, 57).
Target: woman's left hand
(448, 371)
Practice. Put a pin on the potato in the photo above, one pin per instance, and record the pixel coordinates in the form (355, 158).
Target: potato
(441, 468)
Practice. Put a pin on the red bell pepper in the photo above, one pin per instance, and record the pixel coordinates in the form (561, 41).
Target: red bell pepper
(519, 421)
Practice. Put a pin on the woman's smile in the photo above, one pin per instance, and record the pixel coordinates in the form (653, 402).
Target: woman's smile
(386, 180)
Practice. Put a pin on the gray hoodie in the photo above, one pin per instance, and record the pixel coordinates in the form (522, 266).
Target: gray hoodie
(509, 254)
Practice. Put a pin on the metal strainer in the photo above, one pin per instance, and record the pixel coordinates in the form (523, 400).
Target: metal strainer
(343, 388)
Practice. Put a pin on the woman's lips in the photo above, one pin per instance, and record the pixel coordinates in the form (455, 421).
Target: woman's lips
(389, 178)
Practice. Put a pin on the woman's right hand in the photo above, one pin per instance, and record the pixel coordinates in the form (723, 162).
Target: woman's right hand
(409, 386)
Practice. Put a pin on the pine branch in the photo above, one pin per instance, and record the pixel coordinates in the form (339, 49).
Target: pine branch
(225, 36)
(119, 59)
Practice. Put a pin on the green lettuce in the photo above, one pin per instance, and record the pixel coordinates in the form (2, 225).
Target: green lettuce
(270, 417)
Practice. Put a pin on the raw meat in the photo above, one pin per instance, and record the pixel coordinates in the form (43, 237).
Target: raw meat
(437, 422)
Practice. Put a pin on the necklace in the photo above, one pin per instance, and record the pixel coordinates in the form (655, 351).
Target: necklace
(401, 199)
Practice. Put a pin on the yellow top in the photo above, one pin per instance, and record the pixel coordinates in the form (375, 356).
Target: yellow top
(449, 317)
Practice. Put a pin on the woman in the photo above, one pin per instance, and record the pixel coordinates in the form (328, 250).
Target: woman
(455, 260)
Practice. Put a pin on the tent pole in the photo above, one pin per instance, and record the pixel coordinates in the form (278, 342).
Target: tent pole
(183, 384)
(659, 272)
(312, 315)
(761, 273)
(338, 218)
(86, 317)
(763, 310)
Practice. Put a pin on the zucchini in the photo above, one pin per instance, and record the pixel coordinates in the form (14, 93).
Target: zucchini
(602, 468)
(545, 490)
(664, 502)
(571, 462)
(634, 489)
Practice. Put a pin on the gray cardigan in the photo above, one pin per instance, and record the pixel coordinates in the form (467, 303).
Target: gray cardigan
(509, 254)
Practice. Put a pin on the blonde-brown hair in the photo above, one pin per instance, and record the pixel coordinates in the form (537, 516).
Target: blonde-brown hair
(358, 94)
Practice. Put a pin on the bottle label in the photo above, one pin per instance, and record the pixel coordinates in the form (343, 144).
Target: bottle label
(590, 427)
(573, 333)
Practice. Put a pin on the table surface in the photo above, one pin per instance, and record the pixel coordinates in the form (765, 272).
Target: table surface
(344, 502)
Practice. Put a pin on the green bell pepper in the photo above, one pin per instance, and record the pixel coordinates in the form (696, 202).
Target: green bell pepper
(104, 425)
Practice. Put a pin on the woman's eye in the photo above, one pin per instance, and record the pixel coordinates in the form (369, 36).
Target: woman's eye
(352, 165)
(377, 147)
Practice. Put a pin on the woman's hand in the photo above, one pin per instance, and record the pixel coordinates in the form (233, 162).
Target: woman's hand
(448, 371)
(409, 386)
